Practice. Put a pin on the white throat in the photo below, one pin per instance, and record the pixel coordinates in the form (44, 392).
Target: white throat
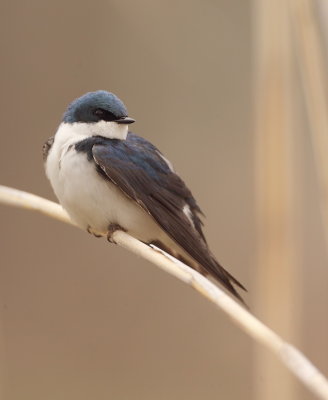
(83, 130)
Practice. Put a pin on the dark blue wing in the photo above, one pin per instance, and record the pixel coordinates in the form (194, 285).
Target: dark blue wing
(137, 168)
(150, 159)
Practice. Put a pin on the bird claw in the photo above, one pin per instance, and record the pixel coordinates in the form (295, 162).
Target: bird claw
(89, 230)
(112, 228)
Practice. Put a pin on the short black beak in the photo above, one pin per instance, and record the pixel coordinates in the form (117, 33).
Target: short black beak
(125, 120)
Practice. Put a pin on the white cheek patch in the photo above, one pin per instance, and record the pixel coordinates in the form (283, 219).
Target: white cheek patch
(109, 129)
(81, 130)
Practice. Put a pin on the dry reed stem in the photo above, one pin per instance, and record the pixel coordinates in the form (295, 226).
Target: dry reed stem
(275, 191)
(289, 355)
(314, 81)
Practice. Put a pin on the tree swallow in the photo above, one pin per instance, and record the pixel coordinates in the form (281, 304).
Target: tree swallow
(108, 178)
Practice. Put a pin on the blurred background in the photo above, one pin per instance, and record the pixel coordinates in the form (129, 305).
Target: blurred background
(233, 93)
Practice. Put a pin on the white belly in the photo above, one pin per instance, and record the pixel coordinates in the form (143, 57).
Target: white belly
(88, 199)
(94, 203)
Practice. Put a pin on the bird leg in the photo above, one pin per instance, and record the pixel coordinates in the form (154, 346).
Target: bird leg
(111, 229)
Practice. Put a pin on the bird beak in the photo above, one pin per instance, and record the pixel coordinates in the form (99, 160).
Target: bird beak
(125, 120)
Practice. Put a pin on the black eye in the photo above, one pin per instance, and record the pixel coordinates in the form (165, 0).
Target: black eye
(104, 115)
(99, 112)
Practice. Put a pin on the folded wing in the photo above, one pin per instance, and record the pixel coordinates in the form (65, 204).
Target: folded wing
(144, 175)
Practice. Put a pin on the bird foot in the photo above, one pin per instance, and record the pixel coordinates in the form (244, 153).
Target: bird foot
(111, 229)
(89, 230)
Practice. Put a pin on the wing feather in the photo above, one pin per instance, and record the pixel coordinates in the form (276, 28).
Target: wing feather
(144, 176)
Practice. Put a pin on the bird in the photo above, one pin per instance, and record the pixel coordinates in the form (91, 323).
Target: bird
(108, 178)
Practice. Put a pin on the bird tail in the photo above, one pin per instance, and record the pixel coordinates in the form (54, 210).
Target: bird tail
(226, 279)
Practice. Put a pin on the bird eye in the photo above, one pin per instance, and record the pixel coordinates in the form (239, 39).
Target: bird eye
(99, 112)
(104, 114)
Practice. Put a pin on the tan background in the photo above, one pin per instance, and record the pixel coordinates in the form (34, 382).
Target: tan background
(82, 319)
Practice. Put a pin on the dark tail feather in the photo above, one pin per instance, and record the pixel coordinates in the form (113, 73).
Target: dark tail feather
(227, 280)
(234, 280)
(209, 266)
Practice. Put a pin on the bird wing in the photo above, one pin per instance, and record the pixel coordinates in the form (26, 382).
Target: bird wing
(145, 176)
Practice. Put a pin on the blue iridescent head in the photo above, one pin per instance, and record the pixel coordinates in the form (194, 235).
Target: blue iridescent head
(97, 106)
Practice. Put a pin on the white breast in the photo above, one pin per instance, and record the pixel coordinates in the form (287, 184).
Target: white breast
(89, 199)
